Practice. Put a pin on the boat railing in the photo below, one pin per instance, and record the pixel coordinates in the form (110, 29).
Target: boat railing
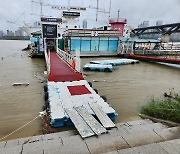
(66, 56)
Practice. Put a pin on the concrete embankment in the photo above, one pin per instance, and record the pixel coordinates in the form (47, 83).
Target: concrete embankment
(142, 136)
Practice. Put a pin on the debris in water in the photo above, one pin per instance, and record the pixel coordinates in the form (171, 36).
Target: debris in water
(21, 84)
(99, 80)
(43, 113)
(45, 72)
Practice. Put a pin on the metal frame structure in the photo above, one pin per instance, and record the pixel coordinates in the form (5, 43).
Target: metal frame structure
(162, 29)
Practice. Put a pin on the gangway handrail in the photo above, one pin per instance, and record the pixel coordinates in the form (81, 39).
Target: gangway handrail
(66, 56)
(73, 61)
(47, 57)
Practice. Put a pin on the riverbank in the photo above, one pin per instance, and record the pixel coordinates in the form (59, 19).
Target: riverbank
(167, 108)
(142, 136)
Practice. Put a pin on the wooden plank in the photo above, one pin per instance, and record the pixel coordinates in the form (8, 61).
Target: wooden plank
(102, 116)
(91, 121)
(83, 129)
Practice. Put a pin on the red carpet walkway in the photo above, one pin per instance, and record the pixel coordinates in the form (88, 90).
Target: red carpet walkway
(60, 71)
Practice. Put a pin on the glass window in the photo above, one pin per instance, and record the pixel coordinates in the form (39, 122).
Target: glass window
(85, 44)
(95, 44)
(75, 43)
(103, 44)
(113, 44)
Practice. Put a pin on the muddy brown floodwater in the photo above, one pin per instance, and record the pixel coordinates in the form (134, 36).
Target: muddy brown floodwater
(127, 88)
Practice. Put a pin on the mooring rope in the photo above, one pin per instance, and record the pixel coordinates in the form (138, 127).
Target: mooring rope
(41, 113)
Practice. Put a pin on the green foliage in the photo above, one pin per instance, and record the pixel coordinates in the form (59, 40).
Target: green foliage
(167, 108)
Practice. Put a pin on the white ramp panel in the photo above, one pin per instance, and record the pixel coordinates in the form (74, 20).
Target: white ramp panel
(102, 116)
(91, 121)
(83, 129)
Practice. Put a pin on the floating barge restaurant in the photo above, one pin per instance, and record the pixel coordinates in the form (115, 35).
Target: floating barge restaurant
(92, 42)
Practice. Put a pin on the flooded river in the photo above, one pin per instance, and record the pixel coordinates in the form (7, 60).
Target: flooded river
(127, 88)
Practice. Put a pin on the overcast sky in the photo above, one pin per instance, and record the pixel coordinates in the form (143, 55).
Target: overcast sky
(136, 11)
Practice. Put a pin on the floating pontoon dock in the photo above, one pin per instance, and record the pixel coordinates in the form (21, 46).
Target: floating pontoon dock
(72, 100)
(107, 65)
(115, 62)
(69, 98)
(69, 95)
(98, 67)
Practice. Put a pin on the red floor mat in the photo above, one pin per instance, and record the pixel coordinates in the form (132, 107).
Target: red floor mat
(78, 90)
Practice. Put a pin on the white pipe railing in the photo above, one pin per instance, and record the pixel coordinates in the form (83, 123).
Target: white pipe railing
(66, 56)
(47, 57)
(73, 61)
(49, 66)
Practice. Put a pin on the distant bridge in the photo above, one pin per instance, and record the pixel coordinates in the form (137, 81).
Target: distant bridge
(167, 29)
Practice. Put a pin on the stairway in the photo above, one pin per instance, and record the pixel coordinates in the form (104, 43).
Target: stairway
(142, 136)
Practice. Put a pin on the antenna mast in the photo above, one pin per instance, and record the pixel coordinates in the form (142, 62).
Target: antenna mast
(68, 5)
(110, 9)
(41, 5)
(97, 10)
(118, 13)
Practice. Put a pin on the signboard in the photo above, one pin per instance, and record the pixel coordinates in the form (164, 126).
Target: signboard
(49, 31)
(71, 14)
(71, 7)
(51, 19)
(94, 33)
(77, 8)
